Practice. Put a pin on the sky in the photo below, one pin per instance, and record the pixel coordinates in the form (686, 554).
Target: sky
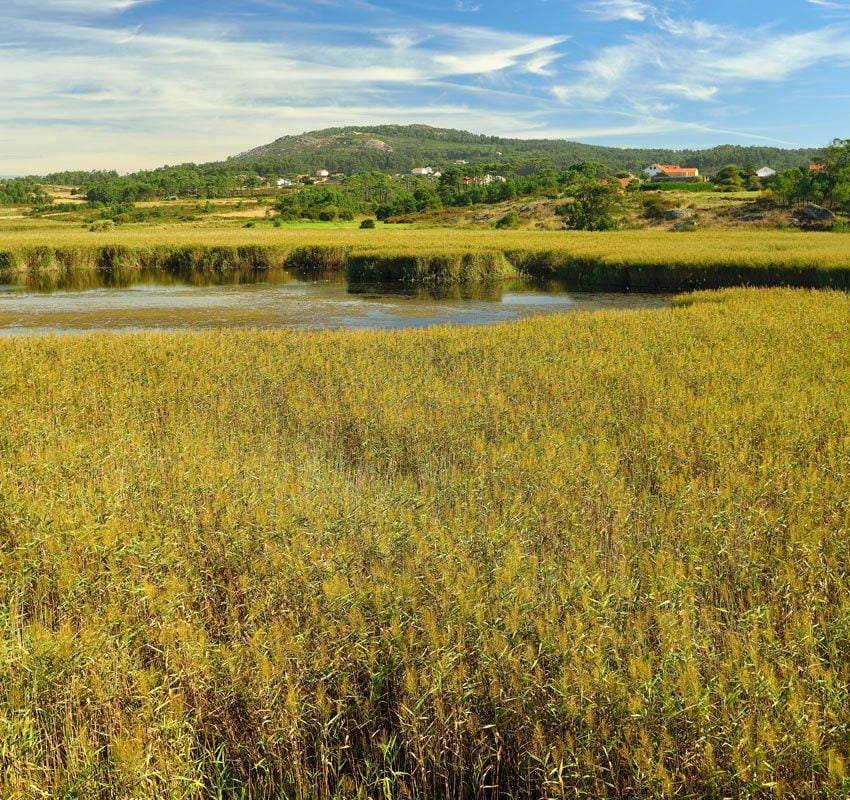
(132, 84)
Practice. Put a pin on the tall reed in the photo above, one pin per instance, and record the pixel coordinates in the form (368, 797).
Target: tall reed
(595, 556)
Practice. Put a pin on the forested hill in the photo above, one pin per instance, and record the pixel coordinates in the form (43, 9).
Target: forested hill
(383, 148)
(399, 148)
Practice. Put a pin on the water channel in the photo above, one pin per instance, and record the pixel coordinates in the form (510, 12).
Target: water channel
(133, 301)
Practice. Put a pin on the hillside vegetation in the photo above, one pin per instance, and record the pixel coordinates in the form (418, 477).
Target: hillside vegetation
(589, 557)
(398, 148)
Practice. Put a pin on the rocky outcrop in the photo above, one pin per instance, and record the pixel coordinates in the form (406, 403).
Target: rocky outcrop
(811, 212)
(676, 213)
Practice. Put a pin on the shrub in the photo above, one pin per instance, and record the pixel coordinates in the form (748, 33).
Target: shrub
(510, 220)
(655, 206)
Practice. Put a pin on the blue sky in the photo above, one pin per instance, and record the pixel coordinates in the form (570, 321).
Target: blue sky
(128, 84)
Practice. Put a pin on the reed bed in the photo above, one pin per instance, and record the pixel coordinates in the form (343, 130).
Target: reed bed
(591, 556)
(626, 259)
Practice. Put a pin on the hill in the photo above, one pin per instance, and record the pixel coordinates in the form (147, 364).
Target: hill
(390, 149)
(399, 148)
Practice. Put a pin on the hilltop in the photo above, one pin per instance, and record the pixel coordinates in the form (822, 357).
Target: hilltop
(399, 148)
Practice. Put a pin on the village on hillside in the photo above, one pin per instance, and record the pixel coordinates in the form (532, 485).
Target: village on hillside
(654, 174)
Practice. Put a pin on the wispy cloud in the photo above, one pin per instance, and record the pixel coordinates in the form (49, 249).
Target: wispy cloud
(87, 7)
(612, 10)
(133, 86)
(694, 61)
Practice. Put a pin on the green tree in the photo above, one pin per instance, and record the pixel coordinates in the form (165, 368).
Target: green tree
(829, 186)
(729, 179)
(594, 206)
(589, 169)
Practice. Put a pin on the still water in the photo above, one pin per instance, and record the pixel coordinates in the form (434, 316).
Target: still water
(89, 301)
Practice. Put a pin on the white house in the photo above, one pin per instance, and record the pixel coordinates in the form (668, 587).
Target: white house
(765, 172)
(284, 182)
(422, 171)
(484, 180)
(322, 173)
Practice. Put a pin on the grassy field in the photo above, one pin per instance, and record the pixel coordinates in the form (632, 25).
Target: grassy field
(637, 259)
(598, 556)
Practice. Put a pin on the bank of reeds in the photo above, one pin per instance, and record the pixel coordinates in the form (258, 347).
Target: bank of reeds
(31, 261)
(597, 556)
(429, 268)
(623, 260)
(726, 269)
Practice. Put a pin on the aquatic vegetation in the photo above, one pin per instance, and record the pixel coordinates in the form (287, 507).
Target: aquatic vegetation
(644, 259)
(429, 268)
(595, 556)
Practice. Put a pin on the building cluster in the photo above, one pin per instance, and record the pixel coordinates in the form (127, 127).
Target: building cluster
(319, 176)
(483, 180)
(468, 180)
(657, 173)
(660, 173)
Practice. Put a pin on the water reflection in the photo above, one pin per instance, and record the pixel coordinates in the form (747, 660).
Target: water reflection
(485, 292)
(153, 299)
(88, 280)
(85, 280)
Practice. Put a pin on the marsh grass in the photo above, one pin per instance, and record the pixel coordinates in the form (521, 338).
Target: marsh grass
(429, 268)
(626, 259)
(596, 556)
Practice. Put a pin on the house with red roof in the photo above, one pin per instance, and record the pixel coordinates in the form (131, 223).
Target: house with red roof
(622, 183)
(672, 172)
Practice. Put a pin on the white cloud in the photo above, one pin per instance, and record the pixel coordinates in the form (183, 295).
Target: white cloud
(98, 90)
(693, 61)
(612, 10)
(690, 91)
(89, 7)
(781, 57)
(830, 5)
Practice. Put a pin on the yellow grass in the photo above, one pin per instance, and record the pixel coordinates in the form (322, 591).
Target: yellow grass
(598, 556)
(652, 246)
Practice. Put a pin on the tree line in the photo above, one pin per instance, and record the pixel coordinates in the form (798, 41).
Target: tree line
(22, 191)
